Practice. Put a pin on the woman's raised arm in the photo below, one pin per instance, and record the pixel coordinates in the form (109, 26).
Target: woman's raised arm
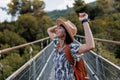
(89, 41)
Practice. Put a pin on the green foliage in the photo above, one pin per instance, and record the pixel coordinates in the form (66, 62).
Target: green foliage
(97, 29)
(31, 27)
(34, 7)
(80, 6)
(73, 17)
(116, 5)
(32, 24)
(44, 23)
(109, 55)
(11, 63)
(59, 13)
(105, 6)
(27, 27)
(11, 38)
(108, 28)
(13, 7)
(103, 26)
(6, 71)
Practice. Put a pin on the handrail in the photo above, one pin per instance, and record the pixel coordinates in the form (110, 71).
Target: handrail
(30, 43)
(16, 73)
(23, 45)
(117, 67)
(101, 65)
(102, 40)
(37, 55)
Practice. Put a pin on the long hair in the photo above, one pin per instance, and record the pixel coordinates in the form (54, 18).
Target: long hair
(68, 39)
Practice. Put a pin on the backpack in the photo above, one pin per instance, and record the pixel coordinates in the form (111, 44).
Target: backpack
(79, 68)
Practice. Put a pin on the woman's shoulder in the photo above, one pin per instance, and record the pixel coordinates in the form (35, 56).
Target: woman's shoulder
(74, 45)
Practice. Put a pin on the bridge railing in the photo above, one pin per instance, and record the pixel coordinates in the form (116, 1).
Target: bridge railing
(31, 69)
(39, 66)
(23, 45)
(34, 68)
(99, 67)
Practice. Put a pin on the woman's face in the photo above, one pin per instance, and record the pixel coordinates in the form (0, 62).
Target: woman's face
(60, 32)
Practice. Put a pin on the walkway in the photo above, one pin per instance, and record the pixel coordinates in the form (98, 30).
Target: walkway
(39, 67)
(52, 74)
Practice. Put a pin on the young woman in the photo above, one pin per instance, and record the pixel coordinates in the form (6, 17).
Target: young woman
(63, 34)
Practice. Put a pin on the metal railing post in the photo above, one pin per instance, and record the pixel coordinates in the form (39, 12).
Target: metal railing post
(34, 70)
(42, 45)
(1, 70)
(31, 50)
(97, 61)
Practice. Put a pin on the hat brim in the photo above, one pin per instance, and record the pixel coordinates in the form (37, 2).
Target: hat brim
(59, 22)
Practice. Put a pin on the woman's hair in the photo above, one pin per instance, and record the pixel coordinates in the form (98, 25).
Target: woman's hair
(68, 39)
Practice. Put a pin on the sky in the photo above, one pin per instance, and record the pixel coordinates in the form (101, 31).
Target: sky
(50, 5)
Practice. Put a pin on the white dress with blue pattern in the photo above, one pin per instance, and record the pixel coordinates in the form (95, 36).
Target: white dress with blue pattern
(63, 69)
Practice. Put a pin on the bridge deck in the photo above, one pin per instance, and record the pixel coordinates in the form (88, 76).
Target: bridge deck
(52, 75)
(40, 67)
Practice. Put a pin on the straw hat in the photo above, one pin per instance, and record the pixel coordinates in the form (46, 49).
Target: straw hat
(69, 26)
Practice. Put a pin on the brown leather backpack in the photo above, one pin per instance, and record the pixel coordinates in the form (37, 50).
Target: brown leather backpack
(79, 68)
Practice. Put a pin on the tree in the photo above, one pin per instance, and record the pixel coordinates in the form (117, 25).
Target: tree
(44, 23)
(105, 6)
(7, 25)
(74, 18)
(11, 38)
(80, 6)
(35, 7)
(27, 26)
(116, 5)
(10, 64)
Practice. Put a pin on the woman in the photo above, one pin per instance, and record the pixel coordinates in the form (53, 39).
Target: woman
(63, 34)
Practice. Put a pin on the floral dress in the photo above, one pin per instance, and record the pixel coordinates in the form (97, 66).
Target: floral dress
(63, 69)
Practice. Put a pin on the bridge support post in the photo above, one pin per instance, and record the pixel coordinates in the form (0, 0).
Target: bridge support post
(97, 66)
(33, 65)
(41, 45)
(34, 70)
(97, 60)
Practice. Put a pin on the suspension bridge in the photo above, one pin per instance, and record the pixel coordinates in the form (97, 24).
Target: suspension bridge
(40, 67)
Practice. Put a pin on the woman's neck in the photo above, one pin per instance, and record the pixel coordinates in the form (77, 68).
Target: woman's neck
(62, 42)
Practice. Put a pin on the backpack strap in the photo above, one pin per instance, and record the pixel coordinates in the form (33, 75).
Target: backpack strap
(68, 54)
(79, 69)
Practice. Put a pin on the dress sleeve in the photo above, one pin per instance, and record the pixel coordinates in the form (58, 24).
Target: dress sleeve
(74, 50)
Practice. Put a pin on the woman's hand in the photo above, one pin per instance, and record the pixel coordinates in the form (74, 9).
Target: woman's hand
(89, 41)
(83, 16)
(51, 32)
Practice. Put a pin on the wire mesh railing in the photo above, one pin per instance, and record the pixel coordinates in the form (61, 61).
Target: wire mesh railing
(99, 67)
(102, 68)
(33, 69)
(39, 67)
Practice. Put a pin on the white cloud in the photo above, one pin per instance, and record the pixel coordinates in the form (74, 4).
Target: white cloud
(60, 7)
(65, 3)
(4, 3)
(3, 14)
(87, 1)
